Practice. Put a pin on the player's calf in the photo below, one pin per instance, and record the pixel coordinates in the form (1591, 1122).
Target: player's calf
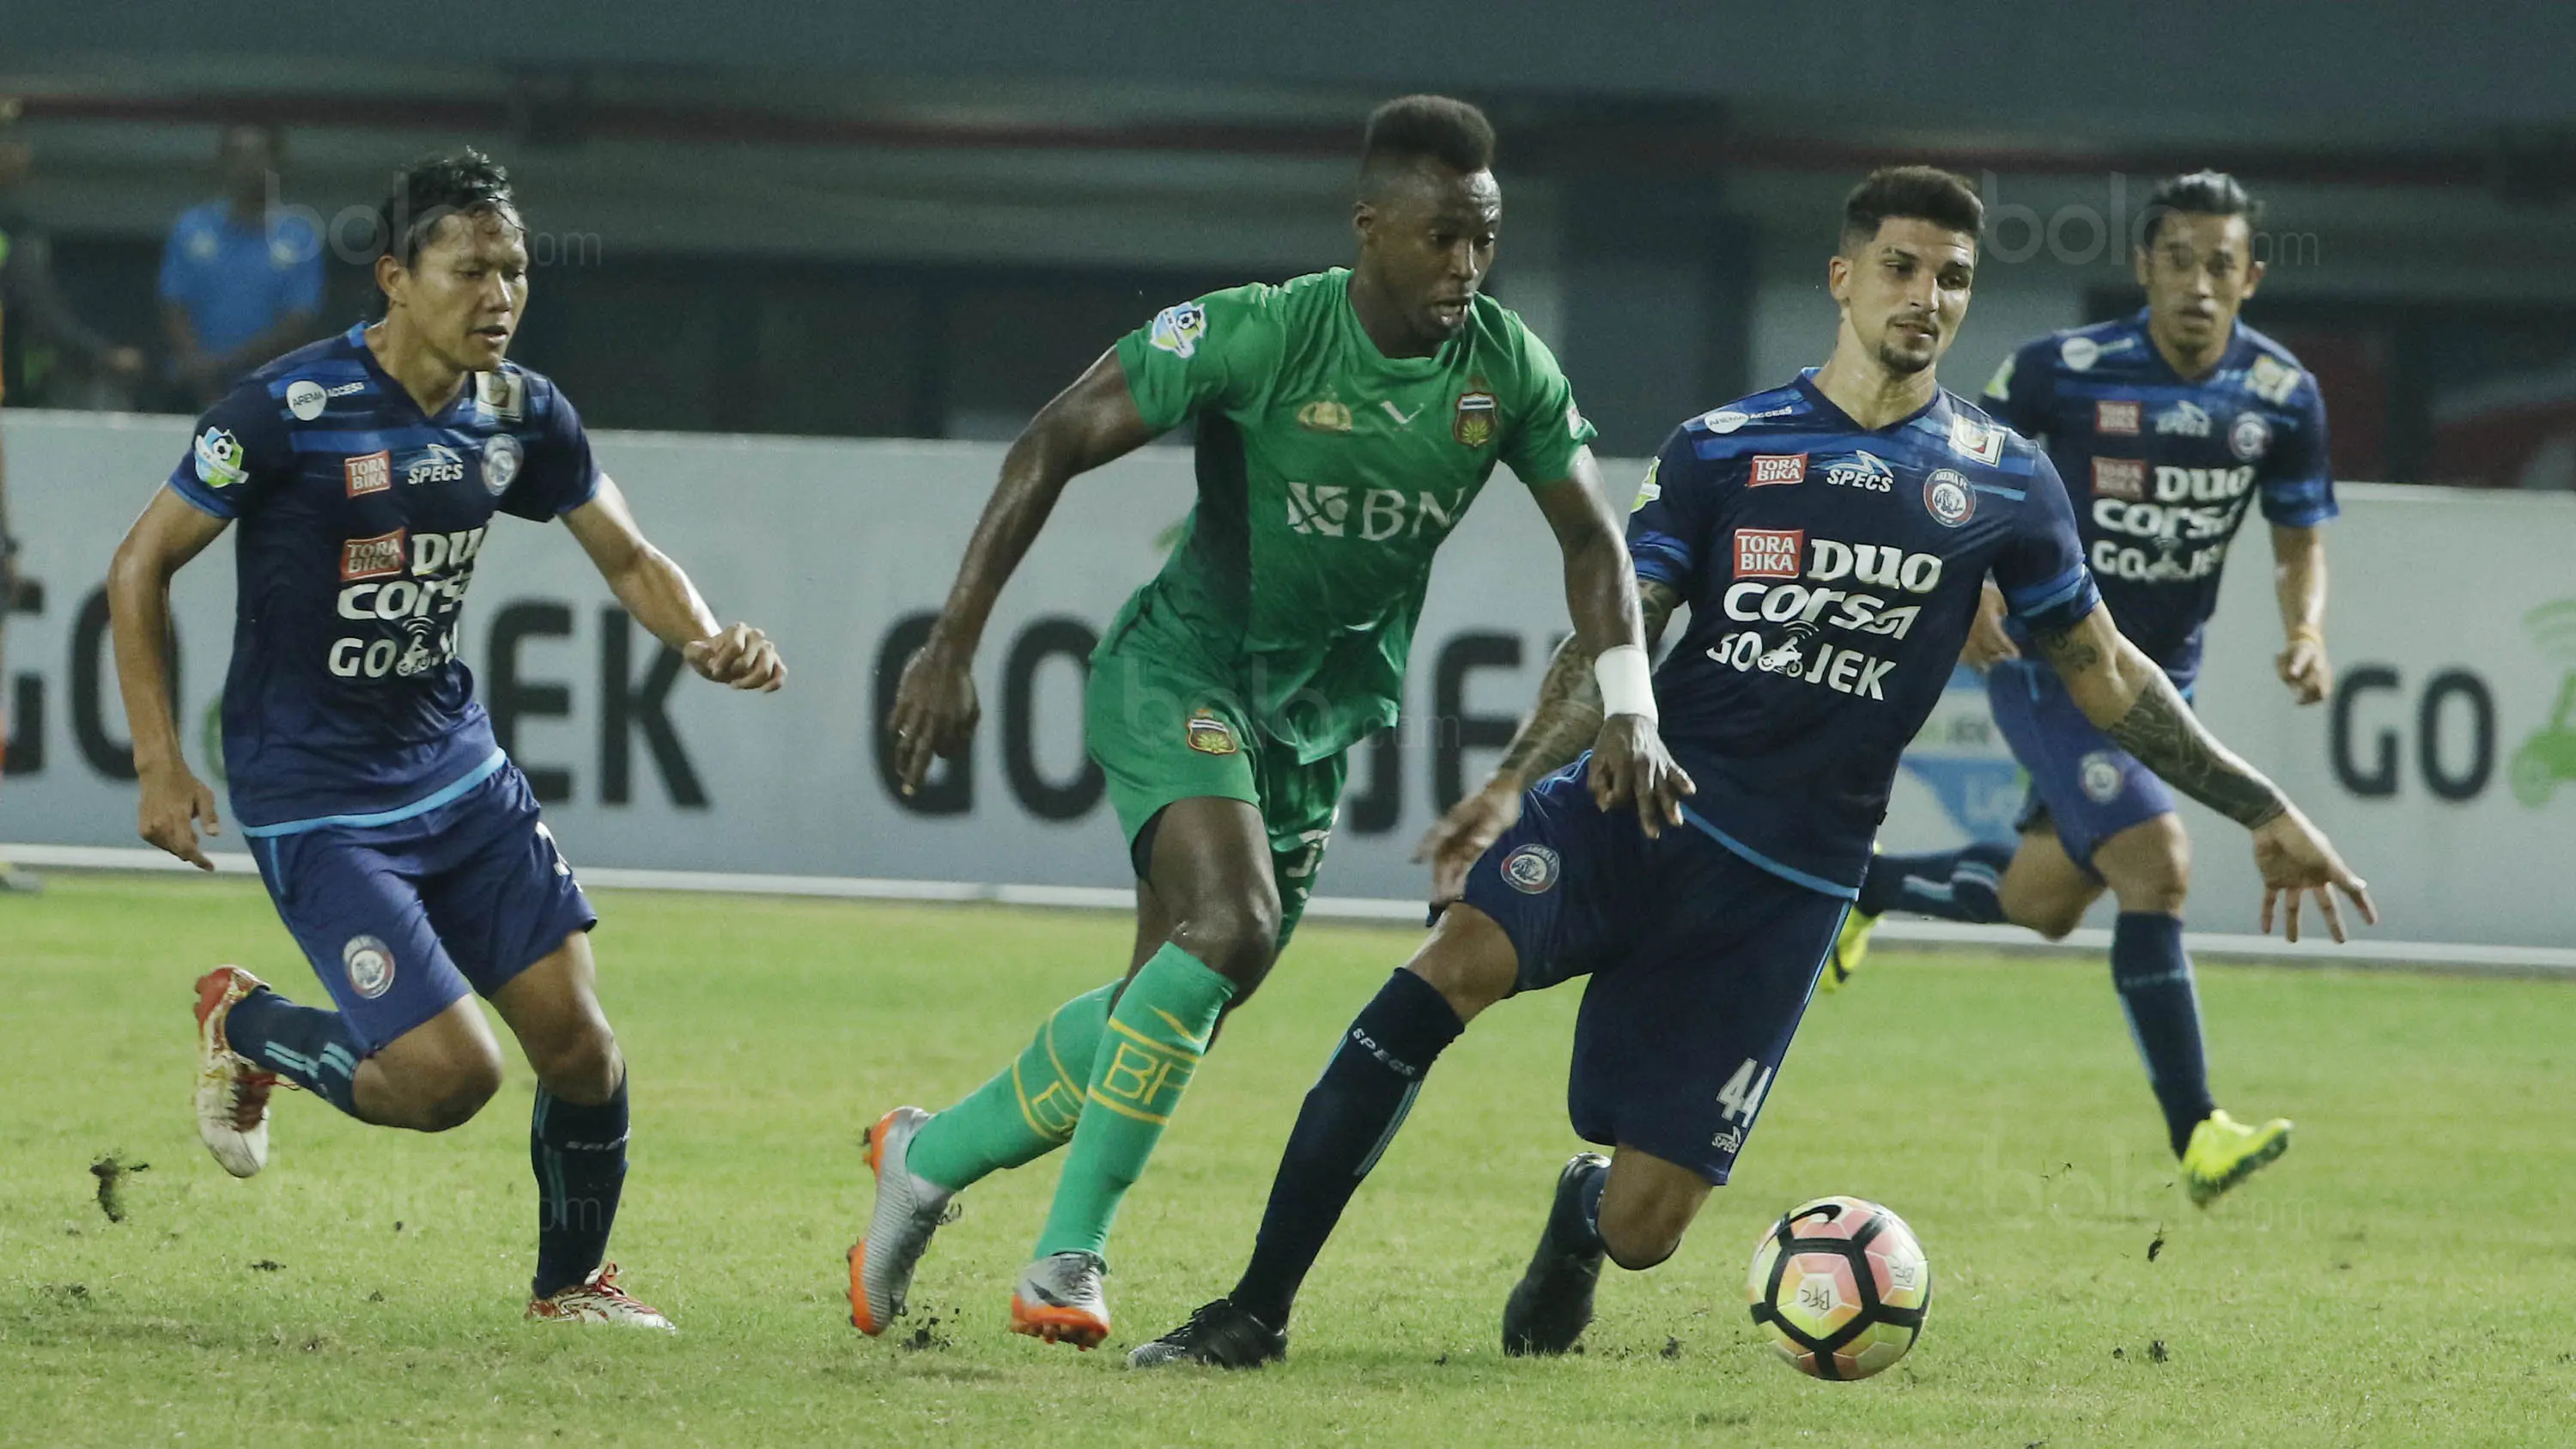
(1646, 1206)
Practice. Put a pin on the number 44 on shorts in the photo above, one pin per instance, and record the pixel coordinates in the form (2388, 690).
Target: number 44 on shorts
(1741, 1097)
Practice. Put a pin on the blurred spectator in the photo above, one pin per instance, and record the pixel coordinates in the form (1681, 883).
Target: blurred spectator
(241, 277)
(50, 332)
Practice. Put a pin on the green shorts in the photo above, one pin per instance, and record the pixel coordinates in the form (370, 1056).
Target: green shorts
(1164, 731)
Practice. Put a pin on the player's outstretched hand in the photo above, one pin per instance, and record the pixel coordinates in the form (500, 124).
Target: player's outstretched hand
(1988, 644)
(2304, 668)
(2295, 858)
(742, 657)
(935, 710)
(174, 800)
(1461, 837)
(1629, 763)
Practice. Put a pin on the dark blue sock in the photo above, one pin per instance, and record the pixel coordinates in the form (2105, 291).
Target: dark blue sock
(2153, 974)
(1955, 885)
(308, 1046)
(579, 1154)
(1350, 1116)
(1574, 1224)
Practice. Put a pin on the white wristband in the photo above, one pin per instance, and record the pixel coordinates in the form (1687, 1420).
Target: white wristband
(1627, 684)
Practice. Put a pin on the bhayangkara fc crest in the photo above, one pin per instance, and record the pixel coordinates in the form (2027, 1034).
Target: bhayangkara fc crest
(1474, 423)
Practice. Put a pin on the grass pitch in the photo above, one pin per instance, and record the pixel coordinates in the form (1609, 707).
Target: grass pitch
(2403, 1276)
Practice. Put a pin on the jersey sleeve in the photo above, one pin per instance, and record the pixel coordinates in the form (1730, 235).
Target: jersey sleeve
(558, 474)
(2021, 391)
(239, 454)
(1547, 428)
(1668, 528)
(1212, 354)
(2298, 478)
(2041, 569)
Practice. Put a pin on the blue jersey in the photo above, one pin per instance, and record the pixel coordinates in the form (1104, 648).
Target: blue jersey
(358, 522)
(2162, 468)
(1832, 572)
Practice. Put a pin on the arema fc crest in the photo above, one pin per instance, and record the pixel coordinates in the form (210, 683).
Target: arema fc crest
(1531, 870)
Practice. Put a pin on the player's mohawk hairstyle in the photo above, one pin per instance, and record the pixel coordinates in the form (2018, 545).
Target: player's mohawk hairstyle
(1918, 193)
(2202, 193)
(433, 188)
(1411, 129)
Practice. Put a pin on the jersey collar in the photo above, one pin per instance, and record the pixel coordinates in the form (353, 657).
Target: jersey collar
(1806, 385)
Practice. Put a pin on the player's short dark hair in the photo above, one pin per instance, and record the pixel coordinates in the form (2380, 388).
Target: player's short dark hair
(1919, 193)
(433, 188)
(1412, 129)
(2202, 193)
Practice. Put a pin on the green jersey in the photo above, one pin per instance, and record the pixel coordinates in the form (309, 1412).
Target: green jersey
(1328, 474)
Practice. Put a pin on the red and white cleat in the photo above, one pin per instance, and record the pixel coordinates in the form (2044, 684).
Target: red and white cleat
(232, 1094)
(598, 1299)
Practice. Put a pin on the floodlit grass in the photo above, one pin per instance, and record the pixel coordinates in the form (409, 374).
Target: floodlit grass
(2403, 1276)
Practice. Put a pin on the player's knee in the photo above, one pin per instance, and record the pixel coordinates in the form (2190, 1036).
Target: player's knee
(450, 1096)
(1236, 939)
(581, 1066)
(2153, 871)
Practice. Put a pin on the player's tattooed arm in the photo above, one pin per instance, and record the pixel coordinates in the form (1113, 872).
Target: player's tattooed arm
(2128, 698)
(1086, 425)
(1568, 715)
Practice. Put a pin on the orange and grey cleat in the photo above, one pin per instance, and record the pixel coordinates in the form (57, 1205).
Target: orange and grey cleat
(908, 1211)
(232, 1093)
(1059, 1299)
(598, 1299)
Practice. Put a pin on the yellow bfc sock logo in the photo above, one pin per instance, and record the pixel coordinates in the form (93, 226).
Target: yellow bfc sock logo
(1146, 1077)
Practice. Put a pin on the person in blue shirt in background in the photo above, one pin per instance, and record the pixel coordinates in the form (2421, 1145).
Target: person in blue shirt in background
(241, 277)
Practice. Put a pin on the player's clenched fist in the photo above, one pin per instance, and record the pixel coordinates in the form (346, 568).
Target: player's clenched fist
(741, 657)
(174, 800)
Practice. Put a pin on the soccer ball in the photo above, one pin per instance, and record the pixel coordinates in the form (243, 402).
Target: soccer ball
(1842, 1286)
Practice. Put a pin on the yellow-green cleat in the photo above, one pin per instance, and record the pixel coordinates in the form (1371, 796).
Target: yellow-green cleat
(2224, 1152)
(1851, 945)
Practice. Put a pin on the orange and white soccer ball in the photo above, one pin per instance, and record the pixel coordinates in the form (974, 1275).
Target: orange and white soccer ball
(1841, 1286)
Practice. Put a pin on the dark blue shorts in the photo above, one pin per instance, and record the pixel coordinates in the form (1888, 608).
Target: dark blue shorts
(1701, 964)
(401, 920)
(2087, 787)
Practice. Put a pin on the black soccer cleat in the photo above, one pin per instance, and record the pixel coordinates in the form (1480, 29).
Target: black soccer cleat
(1552, 1304)
(1220, 1335)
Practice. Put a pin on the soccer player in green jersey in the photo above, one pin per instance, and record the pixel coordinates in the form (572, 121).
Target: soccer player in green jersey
(1346, 420)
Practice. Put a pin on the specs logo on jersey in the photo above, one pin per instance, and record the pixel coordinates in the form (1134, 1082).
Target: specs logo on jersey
(369, 473)
(219, 459)
(1768, 553)
(2185, 419)
(1865, 471)
(1473, 424)
(2251, 438)
(1980, 442)
(502, 456)
(2119, 478)
(2116, 416)
(438, 463)
(1177, 330)
(2272, 380)
(1532, 869)
(380, 557)
(1948, 498)
(1773, 468)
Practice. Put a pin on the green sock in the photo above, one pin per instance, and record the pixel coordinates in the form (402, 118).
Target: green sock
(1029, 1107)
(1154, 1042)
